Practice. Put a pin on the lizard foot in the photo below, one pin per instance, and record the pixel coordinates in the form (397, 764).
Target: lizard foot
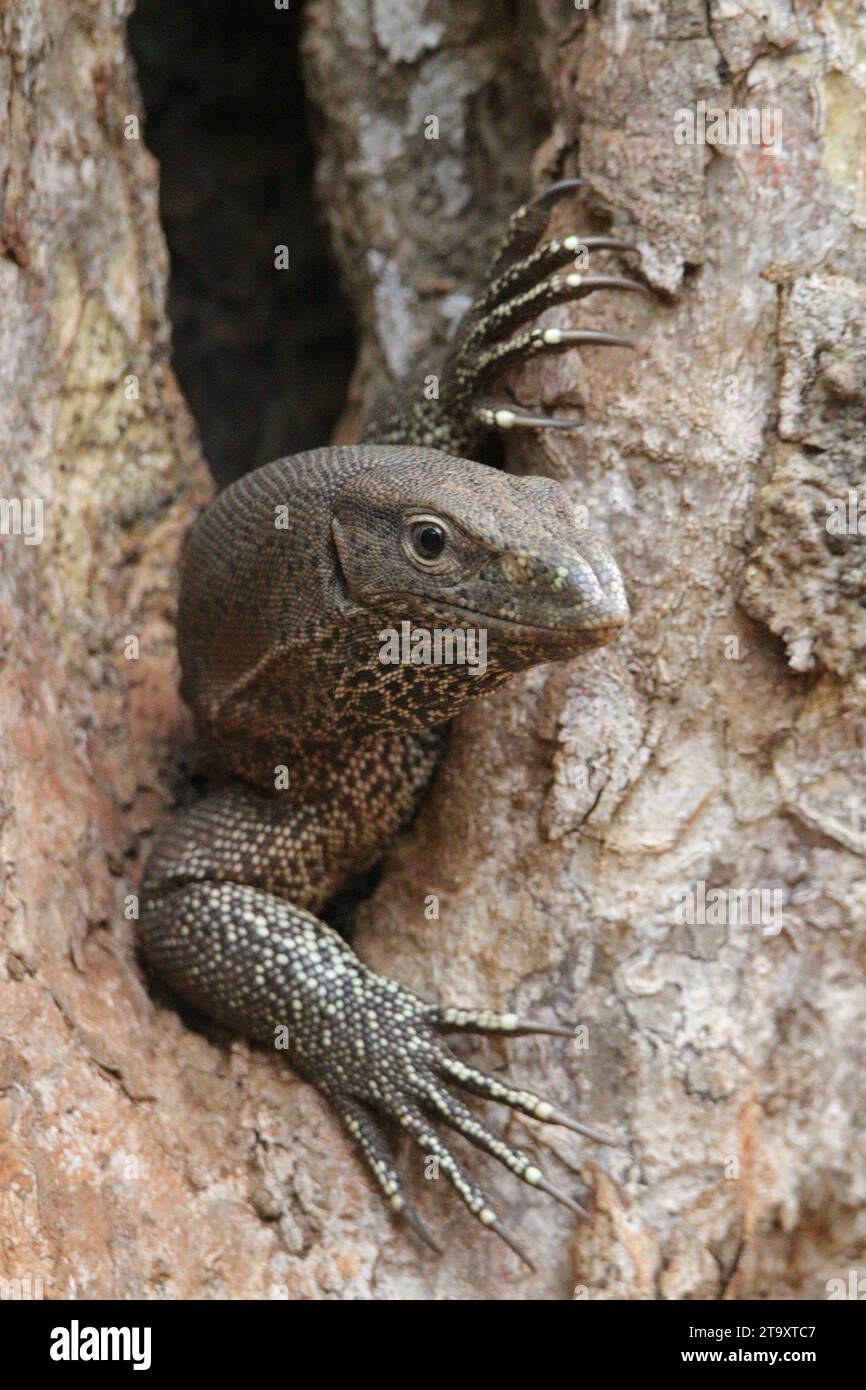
(268, 968)
(412, 1084)
(527, 276)
(525, 279)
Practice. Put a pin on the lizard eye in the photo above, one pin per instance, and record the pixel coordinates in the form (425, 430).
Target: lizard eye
(429, 541)
(424, 540)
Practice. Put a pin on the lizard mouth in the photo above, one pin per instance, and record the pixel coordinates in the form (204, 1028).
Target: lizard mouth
(588, 633)
(594, 634)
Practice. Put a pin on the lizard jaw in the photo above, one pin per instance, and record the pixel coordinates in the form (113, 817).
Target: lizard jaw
(562, 638)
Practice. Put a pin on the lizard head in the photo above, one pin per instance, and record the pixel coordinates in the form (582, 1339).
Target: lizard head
(444, 541)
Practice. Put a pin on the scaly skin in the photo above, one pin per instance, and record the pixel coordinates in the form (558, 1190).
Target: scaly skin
(279, 637)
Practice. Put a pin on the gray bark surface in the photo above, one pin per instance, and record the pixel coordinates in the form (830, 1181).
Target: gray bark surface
(720, 741)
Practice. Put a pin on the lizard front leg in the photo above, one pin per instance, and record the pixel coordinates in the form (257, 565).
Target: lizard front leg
(221, 928)
(525, 279)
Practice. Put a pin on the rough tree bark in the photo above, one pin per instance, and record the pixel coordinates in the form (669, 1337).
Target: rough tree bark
(720, 742)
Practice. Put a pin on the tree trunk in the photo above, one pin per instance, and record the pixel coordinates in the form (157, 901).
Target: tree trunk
(664, 841)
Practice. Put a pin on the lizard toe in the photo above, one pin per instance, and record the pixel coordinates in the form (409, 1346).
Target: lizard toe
(413, 1120)
(460, 1118)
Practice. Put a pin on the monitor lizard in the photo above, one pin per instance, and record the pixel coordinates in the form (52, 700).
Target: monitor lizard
(280, 635)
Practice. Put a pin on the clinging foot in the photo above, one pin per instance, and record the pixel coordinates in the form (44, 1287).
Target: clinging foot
(498, 333)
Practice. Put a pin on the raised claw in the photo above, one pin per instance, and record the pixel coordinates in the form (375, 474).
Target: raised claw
(502, 319)
(527, 277)
(525, 225)
(528, 344)
(556, 190)
(509, 417)
(553, 255)
(585, 284)
(605, 243)
(577, 337)
(568, 337)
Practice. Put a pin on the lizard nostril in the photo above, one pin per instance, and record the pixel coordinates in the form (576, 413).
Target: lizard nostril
(594, 589)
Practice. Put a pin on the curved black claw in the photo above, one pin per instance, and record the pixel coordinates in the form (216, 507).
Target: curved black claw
(558, 1117)
(503, 318)
(556, 190)
(569, 337)
(550, 256)
(605, 243)
(505, 416)
(544, 1186)
(492, 362)
(499, 1230)
(526, 224)
(411, 1217)
(585, 284)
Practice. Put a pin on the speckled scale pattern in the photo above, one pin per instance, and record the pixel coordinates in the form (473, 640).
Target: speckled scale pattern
(288, 581)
